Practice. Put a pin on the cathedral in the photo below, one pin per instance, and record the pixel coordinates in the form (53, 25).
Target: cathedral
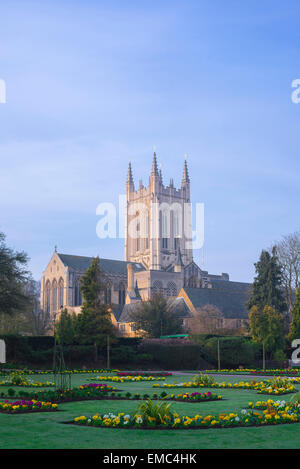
(158, 259)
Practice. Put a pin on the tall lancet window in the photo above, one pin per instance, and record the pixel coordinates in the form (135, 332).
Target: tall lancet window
(78, 299)
(138, 240)
(177, 226)
(165, 228)
(122, 294)
(54, 295)
(61, 294)
(48, 290)
(107, 295)
(145, 233)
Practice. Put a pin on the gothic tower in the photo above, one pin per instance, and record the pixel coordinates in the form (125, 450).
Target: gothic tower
(158, 221)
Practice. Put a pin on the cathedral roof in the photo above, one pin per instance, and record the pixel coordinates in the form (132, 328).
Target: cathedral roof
(229, 297)
(81, 263)
(177, 306)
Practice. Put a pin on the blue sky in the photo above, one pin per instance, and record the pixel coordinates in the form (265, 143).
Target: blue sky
(94, 84)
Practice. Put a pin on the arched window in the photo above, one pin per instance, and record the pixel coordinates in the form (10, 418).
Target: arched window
(107, 295)
(165, 228)
(122, 294)
(193, 281)
(77, 294)
(47, 302)
(138, 234)
(157, 288)
(171, 289)
(60, 294)
(54, 295)
(145, 228)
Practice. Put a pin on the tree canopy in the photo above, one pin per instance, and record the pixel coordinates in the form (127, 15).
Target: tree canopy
(93, 323)
(13, 275)
(266, 290)
(154, 318)
(267, 327)
(295, 324)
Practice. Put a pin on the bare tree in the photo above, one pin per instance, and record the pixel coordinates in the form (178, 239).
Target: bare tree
(288, 251)
(208, 319)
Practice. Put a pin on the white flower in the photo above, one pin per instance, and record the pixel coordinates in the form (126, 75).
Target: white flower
(139, 420)
(243, 411)
(237, 419)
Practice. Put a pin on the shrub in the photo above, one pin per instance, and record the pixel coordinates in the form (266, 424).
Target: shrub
(154, 412)
(204, 379)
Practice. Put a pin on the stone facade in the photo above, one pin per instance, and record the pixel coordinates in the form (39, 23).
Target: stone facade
(158, 259)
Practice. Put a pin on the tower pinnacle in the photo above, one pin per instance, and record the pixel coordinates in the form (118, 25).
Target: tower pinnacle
(154, 165)
(185, 177)
(129, 177)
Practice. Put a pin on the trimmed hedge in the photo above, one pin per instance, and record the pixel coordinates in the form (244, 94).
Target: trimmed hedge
(235, 351)
(176, 355)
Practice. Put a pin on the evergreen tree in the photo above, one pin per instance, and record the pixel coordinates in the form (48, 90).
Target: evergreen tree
(266, 290)
(258, 322)
(295, 324)
(93, 324)
(267, 327)
(275, 339)
(64, 330)
(154, 318)
(13, 276)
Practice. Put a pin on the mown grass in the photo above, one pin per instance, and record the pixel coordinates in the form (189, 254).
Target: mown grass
(47, 430)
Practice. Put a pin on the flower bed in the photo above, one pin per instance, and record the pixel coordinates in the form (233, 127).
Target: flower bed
(20, 407)
(195, 397)
(51, 372)
(127, 378)
(272, 405)
(145, 373)
(27, 384)
(261, 387)
(244, 418)
(258, 372)
(80, 393)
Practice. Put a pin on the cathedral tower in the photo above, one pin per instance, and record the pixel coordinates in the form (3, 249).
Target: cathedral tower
(158, 221)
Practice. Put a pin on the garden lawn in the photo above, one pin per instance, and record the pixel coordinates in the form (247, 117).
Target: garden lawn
(46, 430)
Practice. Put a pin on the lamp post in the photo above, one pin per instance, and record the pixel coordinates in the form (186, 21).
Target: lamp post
(54, 349)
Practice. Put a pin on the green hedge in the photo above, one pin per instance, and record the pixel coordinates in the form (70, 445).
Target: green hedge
(200, 354)
(177, 357)
(234, 351)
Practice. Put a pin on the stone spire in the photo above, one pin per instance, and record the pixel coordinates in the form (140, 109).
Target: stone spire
(178, 257)
(129, 177)
(178, 266)
(160, 175)
(154, 166)
(185, 177)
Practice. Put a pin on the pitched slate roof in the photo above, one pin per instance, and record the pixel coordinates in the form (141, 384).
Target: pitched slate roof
(229, 297)
(117, 311)
(176, 305)
(81, 263)
(180, 309)
(127, 309)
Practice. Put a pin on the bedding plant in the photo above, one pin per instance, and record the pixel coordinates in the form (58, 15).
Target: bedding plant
(161, 416)
(21, 407)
